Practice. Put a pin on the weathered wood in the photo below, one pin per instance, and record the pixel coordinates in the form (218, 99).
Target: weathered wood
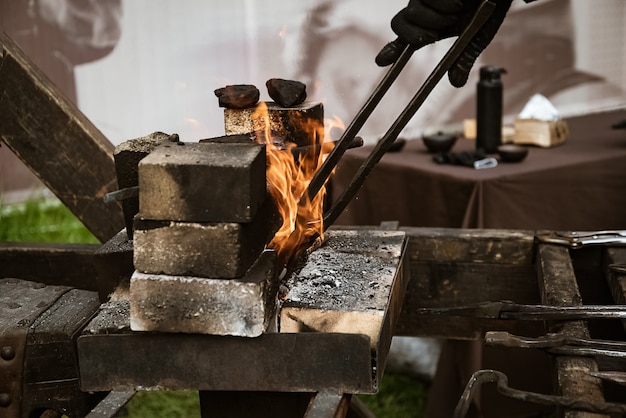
(456, 267)
(38, 367)
(57, 142)
(559, 288)
(52, 264)
(51, 366)
(616, 275)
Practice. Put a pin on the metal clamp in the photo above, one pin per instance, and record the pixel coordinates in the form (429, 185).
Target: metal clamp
(579, 239)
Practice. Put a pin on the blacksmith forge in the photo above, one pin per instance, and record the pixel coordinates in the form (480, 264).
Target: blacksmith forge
(83, 327)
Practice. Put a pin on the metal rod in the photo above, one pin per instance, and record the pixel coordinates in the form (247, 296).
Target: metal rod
(322, 174)
(510, 310)
(121, 194)
(482, 14)
(560, 344)
(111, 405)
(492, 376)
(325, 147)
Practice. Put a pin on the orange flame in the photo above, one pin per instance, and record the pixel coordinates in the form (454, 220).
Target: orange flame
(288, 179)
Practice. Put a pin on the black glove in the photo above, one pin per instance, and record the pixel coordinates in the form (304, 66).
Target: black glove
(464, 158)
(424, 22)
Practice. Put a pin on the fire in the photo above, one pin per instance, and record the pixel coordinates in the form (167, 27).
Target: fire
(288, 179)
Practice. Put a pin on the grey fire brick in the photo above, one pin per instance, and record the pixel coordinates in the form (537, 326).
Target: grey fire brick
(202, 182)
(223, 250)
(241, 307)
(127, 156)
(297, 124)
(347, 285)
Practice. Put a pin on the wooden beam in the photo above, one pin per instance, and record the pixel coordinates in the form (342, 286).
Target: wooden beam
(458, 267)
(51, 264)
(559, 288)
(57, 142)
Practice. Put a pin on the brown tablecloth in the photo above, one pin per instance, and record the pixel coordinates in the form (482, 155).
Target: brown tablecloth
(579, 185)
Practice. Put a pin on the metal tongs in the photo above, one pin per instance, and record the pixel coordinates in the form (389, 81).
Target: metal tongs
(483, 12)
(579, 239)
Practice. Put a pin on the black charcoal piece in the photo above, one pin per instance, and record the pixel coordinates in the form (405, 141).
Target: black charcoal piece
(238, 96)
(287, 93)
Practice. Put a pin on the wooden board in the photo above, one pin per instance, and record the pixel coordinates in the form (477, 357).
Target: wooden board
(559, 288)
(457, 267)
(51, 264)
(57, 142)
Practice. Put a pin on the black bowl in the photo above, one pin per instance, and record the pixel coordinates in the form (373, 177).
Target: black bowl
(439, 142)
(512, 153)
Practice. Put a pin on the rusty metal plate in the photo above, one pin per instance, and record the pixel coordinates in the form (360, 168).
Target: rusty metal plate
(21, 303)
(271, 362)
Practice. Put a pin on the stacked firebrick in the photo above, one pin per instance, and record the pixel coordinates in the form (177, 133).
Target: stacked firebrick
(199, 240)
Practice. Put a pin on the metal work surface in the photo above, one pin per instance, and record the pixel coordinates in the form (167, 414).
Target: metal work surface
(272, 362)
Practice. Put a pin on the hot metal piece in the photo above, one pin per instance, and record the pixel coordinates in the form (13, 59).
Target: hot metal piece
(493, 376)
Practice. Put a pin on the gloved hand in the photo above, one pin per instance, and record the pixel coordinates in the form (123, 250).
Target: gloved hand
(423, 22)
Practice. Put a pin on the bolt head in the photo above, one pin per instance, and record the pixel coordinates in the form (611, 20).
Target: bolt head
(7, 353)
(5, 399)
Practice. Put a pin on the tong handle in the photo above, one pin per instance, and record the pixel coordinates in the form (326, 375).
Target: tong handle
(481, 16)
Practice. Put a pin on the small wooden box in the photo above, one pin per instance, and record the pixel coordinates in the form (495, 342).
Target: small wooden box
(541, 133)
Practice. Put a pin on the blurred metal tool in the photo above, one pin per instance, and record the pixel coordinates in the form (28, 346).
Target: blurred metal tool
(510, 310)
(559, 344)
(502, 384)
(121, 194)
(579, 239)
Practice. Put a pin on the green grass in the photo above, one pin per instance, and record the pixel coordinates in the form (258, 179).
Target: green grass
(42, 220)
(399, 397)
(178, 404)
(47, 220)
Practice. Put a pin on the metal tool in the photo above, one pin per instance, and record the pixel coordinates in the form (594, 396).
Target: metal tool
(511, 310)
(121, 194)
(579, 239)
(560, 344)
(616, 377)
(482, 14)
(502, 384)
(321, 176)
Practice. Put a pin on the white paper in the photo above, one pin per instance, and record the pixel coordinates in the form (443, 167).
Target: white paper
(539, 107)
